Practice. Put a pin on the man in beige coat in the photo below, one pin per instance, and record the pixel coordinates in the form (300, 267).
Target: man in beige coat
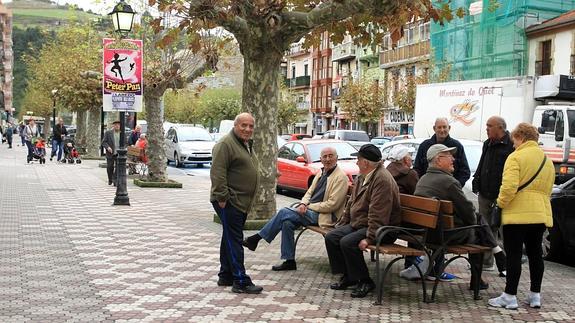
(374, 202)
(322, 205)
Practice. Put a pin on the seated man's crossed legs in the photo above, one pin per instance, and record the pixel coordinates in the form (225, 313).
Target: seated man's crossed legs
(286, 221)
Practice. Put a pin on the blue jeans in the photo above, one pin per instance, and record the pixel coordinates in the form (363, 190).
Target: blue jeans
(29, 146)
(57, 146)
(286, 221)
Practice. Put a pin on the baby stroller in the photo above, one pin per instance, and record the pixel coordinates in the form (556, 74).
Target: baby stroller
(38, 151)
(71, 155)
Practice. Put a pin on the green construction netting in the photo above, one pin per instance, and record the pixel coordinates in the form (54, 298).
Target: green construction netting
(491, 43)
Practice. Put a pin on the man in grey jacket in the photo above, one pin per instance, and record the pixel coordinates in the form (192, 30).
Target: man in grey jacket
(111, 143)
(439, 182)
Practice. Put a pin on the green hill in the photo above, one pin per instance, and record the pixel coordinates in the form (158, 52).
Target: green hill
(43, 13)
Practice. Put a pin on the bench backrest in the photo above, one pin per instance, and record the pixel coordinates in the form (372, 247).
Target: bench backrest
(424, 211)
(135, 151)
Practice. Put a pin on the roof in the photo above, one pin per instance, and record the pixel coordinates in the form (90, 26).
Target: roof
(566, 19)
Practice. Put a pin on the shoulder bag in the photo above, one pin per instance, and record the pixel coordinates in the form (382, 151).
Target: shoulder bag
(496, 210)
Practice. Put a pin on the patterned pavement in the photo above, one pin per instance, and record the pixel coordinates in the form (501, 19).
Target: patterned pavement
(68, 255)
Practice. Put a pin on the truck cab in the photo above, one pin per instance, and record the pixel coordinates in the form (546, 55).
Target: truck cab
(556, 126)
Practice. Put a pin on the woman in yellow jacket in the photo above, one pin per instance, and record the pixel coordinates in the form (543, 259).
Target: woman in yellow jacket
(525, 214)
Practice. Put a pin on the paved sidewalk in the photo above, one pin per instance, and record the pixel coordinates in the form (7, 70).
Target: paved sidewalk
(67, 254)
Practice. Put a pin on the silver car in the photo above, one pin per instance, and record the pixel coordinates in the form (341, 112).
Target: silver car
(187, 144)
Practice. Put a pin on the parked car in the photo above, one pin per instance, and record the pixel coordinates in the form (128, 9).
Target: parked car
(380, 141)
(472, 152)
(356, 138)
(299, 161)
(187, 144)
(402, 137)
(295, 136)
(562, 234)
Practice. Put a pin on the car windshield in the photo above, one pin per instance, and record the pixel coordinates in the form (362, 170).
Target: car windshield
(344, 150)
(473, 153)
(193, 134)
(354, 136)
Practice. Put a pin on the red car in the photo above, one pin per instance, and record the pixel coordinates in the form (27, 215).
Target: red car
(295, 136)
(299, 161)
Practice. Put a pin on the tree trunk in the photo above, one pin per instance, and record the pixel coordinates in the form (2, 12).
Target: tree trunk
(93, 129)
(47, 129)
(260, 97)
(156, 157)
(80, 138)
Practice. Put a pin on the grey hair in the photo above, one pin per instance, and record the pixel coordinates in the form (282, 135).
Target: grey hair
(501, 122)
(241, 116)
(330, 149)
(441, 119)
(373, 163)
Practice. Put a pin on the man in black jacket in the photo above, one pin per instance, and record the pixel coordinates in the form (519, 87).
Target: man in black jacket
(487, 178)
(58, 135)
(441, 136)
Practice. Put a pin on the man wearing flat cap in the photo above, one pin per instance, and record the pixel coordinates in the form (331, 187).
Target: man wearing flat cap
(439, 182)
(111, 143)
(374, 202)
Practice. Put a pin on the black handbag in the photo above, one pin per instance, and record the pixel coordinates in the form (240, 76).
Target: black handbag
(495, 214)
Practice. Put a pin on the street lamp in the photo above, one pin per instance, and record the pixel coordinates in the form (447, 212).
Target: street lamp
(123, 18)
(54, 92)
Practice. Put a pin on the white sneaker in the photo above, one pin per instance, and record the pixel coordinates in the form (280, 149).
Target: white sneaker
(506, 301)
(534, 300)
(410, 273)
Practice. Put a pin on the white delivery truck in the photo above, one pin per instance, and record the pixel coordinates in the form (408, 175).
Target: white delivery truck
(547, 102)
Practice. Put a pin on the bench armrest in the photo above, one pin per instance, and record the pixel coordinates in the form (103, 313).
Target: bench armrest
(469, 227)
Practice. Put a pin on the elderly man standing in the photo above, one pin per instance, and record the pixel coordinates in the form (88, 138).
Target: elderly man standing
(58, 134)
(439, 182)
(234, 176)
(374, 202)
(111, 143)
(322, 205)
(441, 136)
(487, 179)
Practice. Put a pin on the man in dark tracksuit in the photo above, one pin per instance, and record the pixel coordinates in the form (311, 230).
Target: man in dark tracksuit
(234, 176)
(441, 136)
(487, 178)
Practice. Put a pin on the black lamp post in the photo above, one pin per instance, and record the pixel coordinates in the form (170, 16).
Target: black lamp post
(123, 18)
(54, 92)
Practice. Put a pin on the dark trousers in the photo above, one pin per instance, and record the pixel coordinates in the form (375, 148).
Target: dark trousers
(514, 236)
(231, 249)
(9, 140)
(111, 167)
(345, 257)
(29, 146)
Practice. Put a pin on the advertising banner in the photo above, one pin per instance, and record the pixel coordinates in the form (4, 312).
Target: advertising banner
(122, 85)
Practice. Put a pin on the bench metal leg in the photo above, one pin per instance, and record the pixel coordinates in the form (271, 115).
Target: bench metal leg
(297, 238)
(441, 272)
(379, 282)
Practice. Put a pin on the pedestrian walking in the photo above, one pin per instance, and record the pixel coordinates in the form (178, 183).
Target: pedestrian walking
(234, 176)
(58, 134)
(8, 134)
(21, 129)
(111, 143)
(526, 186)
(487, 179)
(31, 131)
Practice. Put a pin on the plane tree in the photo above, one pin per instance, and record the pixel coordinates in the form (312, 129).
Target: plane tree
(264, 30)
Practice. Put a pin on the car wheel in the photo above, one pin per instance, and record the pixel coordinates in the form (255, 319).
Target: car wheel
(177, 160)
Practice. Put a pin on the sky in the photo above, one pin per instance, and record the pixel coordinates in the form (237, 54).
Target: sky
(102, 6)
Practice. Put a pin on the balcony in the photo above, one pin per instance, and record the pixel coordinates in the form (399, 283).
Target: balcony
(303, 106)
(404, 54)
(297, 49)
(298, 82)
(345, 51)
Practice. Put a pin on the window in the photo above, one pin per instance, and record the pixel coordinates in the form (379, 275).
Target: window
(305, 70)
(571, 122)
(297, 151)
(543, 65)
(548, 120)
(285, 151)
(386, 42)
(559, 126)
(424, 31)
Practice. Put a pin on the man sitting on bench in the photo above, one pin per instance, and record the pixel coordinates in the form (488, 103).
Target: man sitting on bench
(374, 202)
(439, 182)
(322, 204)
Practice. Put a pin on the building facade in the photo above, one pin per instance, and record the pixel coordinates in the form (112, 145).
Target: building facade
(321, 83)
(7, 60)
(298, 80)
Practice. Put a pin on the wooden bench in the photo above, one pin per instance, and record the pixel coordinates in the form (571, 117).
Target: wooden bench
(420, 216)
(136, 161)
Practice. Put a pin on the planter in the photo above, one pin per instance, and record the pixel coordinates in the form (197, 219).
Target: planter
(169, 184)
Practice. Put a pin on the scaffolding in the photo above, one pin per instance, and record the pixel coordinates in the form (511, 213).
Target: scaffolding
(489, 41)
